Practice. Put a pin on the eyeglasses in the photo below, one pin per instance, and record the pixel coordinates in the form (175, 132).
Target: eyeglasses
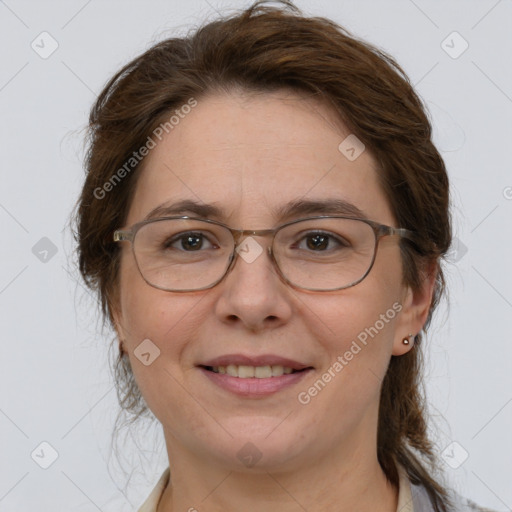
(322, 253)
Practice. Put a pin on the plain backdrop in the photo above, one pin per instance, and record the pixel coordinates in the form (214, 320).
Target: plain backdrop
(55, 381)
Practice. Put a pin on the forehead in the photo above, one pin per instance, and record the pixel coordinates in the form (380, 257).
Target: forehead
(249, 154)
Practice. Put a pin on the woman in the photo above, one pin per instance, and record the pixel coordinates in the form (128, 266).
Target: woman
(264, 218)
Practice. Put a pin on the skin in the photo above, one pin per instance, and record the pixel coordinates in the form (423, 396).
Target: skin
(248, 153)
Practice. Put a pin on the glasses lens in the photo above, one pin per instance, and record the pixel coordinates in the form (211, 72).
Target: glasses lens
(182, 254)
(325, 254)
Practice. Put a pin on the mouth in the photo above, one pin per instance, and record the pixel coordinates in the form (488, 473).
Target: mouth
(256, 372)
(254, 377)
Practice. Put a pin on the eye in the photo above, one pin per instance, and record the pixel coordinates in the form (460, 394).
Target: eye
(321, 241)
(189, 242)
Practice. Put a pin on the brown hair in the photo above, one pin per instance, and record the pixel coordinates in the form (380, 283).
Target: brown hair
(266, 48)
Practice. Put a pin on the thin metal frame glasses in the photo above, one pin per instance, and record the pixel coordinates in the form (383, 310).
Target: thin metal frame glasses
(238, 236)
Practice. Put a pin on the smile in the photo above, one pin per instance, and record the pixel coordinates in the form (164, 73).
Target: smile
(254, 377)
(247, 372)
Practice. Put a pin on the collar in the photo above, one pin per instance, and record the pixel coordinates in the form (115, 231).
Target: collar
(406, 501)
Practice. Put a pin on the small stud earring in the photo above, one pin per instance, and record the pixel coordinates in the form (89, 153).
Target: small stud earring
(406, 341)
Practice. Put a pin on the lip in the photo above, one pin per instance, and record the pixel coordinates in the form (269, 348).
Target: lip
(261, 360)
(253, 387)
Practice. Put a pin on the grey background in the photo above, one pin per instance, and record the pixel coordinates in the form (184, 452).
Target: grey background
(55, 382)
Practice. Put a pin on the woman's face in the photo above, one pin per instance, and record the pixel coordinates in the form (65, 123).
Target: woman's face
(250, 155)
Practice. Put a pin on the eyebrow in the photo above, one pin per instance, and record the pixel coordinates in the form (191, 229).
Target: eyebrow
(292, 209)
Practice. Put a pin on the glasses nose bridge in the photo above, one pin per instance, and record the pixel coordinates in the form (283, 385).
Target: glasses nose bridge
(240, 235)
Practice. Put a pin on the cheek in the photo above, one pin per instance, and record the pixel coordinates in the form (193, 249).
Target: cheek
(148, 312)
(357, 326)
(157, 330)
(363, 312)
(158, 327)
(360, 329)
(347, 387)
(168, 321)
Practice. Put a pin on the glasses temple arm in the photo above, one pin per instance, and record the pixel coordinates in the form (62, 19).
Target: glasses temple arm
(122, 235)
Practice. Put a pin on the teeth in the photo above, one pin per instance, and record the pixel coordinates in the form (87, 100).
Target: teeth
(262, 372)
(244, 372)
(277, 370)
(232, 370)
(247, 372)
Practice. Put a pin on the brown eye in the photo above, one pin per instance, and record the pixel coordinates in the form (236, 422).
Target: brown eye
(321, 242)
(187, 242)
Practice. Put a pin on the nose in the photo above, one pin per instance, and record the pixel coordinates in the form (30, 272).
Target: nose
(252, 293)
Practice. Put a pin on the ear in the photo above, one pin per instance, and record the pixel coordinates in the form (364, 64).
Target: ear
(415, 309)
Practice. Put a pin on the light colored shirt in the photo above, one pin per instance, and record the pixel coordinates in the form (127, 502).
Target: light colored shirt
(411, 498)
(152, 501)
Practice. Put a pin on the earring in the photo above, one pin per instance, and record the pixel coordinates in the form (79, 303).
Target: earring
(406, 341)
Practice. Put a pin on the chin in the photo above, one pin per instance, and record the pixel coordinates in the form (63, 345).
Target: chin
(259, 445)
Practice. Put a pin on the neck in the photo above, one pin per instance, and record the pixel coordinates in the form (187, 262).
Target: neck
(333, 482)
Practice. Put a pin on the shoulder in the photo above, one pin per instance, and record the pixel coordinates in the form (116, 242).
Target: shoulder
(460, 503)
(466, 505)
(419, 500)
(151, 503)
